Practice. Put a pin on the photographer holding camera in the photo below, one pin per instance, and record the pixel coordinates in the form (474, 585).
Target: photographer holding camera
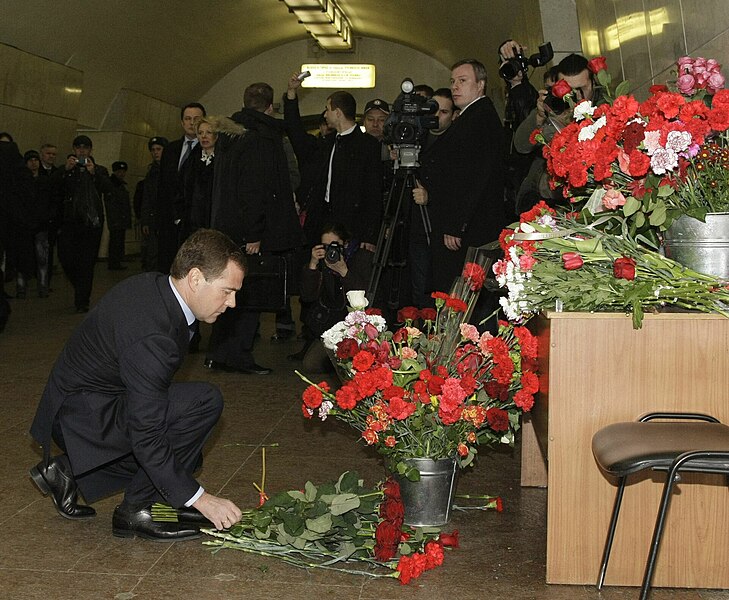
(335, 268)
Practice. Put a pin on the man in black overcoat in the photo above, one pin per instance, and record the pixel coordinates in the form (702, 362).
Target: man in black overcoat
(463, 176)
(111, 406)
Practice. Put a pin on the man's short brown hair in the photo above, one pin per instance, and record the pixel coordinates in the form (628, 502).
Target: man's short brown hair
(210, 251)
(258, 96)
(345, 102)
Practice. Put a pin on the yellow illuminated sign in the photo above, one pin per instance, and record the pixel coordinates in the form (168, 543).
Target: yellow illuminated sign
(339, 76)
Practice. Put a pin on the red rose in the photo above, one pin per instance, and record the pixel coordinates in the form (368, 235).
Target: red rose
(624, 268)
(401, 335)
(498, 419)
(655, 89)
(347, 348)
(391, 509)
(474, 273)
(362, 361)
(407, 313)
(391, 488)
(561, 89)
(387, 539)
(450, 540)
(597, 64)
(572, 261)
(462, 449)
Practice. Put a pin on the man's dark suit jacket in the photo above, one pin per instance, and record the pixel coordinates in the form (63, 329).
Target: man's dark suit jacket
(355, 192)
(117, 368)
(463, 173)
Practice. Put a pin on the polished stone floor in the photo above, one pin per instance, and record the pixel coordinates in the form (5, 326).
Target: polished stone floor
(502, 555)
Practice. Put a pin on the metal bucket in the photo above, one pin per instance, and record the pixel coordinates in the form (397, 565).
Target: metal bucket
(703, 247)
(428, 502)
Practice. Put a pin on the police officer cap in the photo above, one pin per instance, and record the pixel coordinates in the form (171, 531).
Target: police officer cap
(377, 104)
(120, 164)
(157, 140)
(82, 140)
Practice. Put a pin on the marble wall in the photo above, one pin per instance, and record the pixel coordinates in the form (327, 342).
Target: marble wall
(643, 38)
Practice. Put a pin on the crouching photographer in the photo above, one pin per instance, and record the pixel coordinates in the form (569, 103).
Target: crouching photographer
(336, 267)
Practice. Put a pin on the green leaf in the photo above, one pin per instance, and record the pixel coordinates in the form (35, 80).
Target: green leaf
(309, 491)
(297, 495)
(658, 216)
(343, 503)
(293, 524)
(348, 481)
(664, 191)
(321, 524)
(631, 206)
(622, 89)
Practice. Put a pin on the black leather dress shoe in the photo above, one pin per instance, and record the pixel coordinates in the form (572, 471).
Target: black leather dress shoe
(129, 523)
(252, 369)
(57, 480)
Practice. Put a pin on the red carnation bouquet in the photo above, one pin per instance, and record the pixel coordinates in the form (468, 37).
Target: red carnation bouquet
(433, 388)
(637, 166)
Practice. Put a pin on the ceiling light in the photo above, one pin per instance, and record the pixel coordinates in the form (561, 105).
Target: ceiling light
(324, 21)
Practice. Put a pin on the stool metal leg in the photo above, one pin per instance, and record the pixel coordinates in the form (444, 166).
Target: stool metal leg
(611, 532)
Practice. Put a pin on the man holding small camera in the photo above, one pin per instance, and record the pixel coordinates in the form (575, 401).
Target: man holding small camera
(81, 185)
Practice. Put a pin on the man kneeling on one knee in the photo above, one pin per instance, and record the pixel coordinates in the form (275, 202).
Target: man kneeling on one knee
(110, 403)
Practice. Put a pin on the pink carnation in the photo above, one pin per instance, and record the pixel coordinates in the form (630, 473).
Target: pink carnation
(613, 199)
(469, 332)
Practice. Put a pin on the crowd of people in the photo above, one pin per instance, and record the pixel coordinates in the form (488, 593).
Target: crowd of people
(275, 188)
(231, 187)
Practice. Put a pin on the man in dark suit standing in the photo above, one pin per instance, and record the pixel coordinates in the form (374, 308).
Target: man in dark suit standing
(463, 176)
(111, 405)
(344, 179)
(169, 210)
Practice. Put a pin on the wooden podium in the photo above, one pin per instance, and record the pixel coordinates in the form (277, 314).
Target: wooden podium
(595, 369)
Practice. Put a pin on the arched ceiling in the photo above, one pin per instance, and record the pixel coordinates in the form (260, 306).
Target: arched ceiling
(176, 50)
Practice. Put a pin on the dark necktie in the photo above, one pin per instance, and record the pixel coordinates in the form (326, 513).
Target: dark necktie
(194, 327)
(185, 153)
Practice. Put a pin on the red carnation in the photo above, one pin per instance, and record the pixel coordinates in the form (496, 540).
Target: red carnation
(408, 313)
(347, 348)
(524, 400)
(373, 311)
(456, 305)
(362, 361)
(439, 296)
(639, 164)
(527, 342)
(498, 419)
(597, 64)
(475, 275)
(530, 382)
(391, 488)
(561, 88)
(312, 397)
(624, 268)
(572, 261)
(655, 89)
(400, 409)
(428, 314)
(347, 397)
(433, 554)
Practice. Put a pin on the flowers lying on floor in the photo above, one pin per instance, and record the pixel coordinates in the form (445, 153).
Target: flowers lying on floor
(434, 388)
(333, 525)
(555, 263)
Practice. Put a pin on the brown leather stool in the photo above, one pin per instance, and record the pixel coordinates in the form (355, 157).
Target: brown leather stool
(689, 442)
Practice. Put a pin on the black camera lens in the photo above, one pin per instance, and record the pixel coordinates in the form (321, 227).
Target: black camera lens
(333, 253)
(511, 67)
(556, 105)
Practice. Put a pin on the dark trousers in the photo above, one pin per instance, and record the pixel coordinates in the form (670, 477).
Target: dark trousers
(168, 243)
(193, 410)
(78, 247)
(231, 341)
(116, 247)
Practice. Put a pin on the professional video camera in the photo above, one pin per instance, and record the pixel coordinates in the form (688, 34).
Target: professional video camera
(406, 127)
(511, 67)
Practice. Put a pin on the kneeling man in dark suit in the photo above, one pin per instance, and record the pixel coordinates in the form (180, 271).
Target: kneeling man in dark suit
(110, 403)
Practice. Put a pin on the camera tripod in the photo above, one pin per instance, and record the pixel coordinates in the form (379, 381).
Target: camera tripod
(393, 229)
